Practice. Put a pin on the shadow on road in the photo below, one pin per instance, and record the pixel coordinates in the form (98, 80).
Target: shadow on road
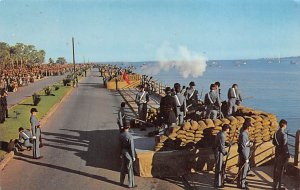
(102, 146)
(69, 170)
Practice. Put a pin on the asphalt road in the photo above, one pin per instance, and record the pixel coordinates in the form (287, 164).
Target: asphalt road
(26, 91)
(81, 147)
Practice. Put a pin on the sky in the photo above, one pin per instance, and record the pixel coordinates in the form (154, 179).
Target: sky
(140, 30)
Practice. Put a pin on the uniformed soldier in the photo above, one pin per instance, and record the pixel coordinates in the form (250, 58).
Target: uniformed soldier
(212, 103)
(141, 99)
(127, 156)
(4, 96)
(234, 99)
(121, 116)
(180, 103)
(218, 89)
(191, 95)
(168, 108)
(281, 153)
(244, 146)
(24, 138)
(220, 152)
(36, 134)
(2, 109)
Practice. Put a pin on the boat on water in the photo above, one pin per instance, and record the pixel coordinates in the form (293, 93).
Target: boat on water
(293, 62)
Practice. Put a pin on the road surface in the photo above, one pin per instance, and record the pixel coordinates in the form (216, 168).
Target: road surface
(81, 147)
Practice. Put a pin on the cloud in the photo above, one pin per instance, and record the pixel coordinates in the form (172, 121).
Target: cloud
(186, 62)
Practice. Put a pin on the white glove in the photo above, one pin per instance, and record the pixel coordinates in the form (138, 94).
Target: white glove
(251, 144)
(34, 137)
(247, 161)
(133, 159)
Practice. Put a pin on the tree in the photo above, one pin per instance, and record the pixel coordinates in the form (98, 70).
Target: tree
(20, 54)
(4, 54)
(61, 60)
(50, 61)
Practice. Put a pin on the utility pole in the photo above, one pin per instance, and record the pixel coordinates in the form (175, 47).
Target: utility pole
(73, 54)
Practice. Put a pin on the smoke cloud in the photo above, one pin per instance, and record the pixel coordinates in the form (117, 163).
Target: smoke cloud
(184, 61)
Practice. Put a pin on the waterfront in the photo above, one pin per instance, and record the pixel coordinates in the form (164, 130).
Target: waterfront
(273, 86)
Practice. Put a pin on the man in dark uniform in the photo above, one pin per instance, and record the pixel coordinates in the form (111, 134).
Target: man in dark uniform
(244, 146)
(168, 108)
(281, 153)
(127, 156)
(220, 152)
(2, 108)
(191, 95)
(4, 96)
(121, 116)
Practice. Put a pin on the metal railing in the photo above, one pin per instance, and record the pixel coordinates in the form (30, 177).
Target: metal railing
(295, 146)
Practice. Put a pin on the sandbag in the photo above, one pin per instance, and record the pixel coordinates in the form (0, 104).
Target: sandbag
(162, 138)
(199, 132)
(202, 124)
(225, 121)
(240, 119)
(217, 122)
(194, 126)
(197, 139)
(187, 126)
(189, 134)
(266, 122)
(198, 136)
(257, 118)
(175, 129)
(209, 123)
(232, 120)
(173, 135)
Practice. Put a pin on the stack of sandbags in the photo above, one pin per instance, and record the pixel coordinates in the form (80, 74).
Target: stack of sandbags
(202, 133)
(181, 137)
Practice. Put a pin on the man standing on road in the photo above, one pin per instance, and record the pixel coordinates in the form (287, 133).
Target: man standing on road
(281, 153)
(141, 99)
(220, 152)
(36, 134)
(121, 116)
(4, 96)
(244, 146)
(127, 156)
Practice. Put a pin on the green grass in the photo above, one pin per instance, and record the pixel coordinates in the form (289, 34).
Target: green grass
(9, 129)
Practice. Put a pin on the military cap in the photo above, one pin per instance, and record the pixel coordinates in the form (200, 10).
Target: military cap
(33, 110)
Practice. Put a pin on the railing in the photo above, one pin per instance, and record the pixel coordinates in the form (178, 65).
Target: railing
(295, 147)
(152, 85)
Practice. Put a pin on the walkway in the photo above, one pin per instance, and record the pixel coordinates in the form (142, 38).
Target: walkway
(26, 91)
(81, 147)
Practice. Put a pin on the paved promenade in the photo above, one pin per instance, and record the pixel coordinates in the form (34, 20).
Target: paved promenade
(81, 147)
(26, 91)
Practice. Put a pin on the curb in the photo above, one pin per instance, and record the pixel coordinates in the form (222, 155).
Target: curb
(6, 159)
(10, 155)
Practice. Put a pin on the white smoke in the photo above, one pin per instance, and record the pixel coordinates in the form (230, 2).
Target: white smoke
(185, 62)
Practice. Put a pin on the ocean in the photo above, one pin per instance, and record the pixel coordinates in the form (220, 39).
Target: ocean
(271, 86)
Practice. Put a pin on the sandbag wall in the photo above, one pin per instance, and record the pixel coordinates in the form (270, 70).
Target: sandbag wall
(202, 133)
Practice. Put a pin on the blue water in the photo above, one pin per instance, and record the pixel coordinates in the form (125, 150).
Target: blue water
(274, 86)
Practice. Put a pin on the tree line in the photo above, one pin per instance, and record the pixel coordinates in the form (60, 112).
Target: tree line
(22, 55)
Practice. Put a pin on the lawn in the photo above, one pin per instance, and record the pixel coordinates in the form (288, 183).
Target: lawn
(9, 129)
